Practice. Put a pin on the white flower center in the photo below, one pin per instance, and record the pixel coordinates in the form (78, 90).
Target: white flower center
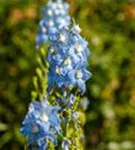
(52, 50)
(34, 129)
(78, 48)
(77, 28)
(60, 6)
(62, 21)
(44, 30)
(62, 38)
(67, 61)
(51, 23)
(49, 12)
(44, 117)
(79, 74)
(57, 70)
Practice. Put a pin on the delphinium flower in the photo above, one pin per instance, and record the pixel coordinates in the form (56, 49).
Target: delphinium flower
(67, 57)
(41, 123)
(55, 16)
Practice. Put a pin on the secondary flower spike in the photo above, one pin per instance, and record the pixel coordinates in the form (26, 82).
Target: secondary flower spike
(67, 57)
(41, 123)
(55, 16)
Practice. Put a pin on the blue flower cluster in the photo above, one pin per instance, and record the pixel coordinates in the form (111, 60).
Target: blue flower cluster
(41, 123)
(67, 57)
(55, 16)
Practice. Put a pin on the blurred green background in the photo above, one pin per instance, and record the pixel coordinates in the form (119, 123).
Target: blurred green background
(109, 26)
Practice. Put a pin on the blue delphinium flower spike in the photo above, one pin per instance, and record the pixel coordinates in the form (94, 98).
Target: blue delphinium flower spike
(41, 123)
(55, 16)
(67, 57)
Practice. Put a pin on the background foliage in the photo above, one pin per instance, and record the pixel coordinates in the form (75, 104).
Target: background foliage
(109, 26)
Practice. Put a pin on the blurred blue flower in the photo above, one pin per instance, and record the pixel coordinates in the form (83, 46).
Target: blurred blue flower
(55, 16)
(41, 122)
